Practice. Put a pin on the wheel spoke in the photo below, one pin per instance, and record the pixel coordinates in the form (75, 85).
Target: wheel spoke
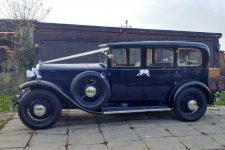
(94, 82)
(83, 96)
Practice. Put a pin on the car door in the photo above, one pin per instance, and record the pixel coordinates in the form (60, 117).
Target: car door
(161, 79)
(125, 65)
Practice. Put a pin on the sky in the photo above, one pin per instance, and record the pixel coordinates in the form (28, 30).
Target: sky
(185, 15)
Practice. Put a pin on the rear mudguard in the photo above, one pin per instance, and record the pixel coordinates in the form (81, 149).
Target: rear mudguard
(195, 84)
(41, 84)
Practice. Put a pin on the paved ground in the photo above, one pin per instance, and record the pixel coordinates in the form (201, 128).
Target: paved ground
(82, 131)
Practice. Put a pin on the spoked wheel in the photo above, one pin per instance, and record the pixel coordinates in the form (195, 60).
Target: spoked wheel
(190, 104)
(39, 109)
(90, 90)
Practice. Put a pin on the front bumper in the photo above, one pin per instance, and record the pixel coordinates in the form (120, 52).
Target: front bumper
(15, 100)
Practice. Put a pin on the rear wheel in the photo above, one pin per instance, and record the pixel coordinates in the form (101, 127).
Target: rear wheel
(39, 109)
(190, 104)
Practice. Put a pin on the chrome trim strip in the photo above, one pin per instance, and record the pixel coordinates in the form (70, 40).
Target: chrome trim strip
(135, 111)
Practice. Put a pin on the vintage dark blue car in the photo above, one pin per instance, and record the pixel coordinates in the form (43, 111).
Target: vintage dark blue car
(130, 77)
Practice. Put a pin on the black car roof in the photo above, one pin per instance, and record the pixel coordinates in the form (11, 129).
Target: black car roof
(157, 43)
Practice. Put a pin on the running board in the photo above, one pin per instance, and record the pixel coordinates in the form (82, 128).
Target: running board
(122, 110)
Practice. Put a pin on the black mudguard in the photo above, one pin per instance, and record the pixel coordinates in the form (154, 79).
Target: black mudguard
(196, 84)
(41, 84)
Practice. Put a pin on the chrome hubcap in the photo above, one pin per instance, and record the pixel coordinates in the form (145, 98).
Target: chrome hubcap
(192, 105)
(39, 110)
(90, 91)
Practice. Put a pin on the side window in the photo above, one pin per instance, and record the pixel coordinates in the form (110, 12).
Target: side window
(130, 57)
(119, 57)
(149, 57)
(189, 57)
(160, 57)
(135, 57)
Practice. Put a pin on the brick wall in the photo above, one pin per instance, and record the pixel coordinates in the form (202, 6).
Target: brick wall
(217, 84)
(216, 80)
(214, 72)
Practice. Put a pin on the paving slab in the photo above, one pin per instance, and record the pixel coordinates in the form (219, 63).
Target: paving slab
(88, 147)
(209, 129)
(15, 126)
(201, 121)
(88, 129)
(183, 131)
(221, 125)
(85, 136)
(92, 127)
(16, 116)
(62, 121)
(170, 123)
(54, 131)
(152, 132)
(216, 119)
(161, 115)
(76, 118)
(219, 110)
(14, 141)
(45, 147)
(119, 133)
(13, 149)
(127, 145)
(165, 143)
(200, 143)
(210, 113)
(48, 140)
(220, 138)
(142, 123)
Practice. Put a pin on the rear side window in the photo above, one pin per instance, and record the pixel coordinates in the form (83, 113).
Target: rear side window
(189, 57)
(160, 57)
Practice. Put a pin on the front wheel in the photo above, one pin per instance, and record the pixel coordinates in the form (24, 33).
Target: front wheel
(190, 104)
(39, 109)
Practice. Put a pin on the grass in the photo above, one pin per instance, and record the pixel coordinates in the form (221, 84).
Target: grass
(4, 103)
(222, 99)
(5, 115)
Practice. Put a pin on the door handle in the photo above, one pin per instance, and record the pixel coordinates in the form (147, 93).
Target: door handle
(144, 72)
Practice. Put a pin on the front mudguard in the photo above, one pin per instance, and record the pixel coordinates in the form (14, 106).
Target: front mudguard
(41, 84)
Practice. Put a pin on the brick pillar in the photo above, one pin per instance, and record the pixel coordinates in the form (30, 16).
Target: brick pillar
(221, 59)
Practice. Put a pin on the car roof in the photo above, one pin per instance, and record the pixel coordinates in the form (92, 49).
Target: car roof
(159, 43)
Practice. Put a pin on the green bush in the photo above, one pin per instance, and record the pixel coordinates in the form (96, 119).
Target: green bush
(222, 99)
(14, 70)
(9, 82)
